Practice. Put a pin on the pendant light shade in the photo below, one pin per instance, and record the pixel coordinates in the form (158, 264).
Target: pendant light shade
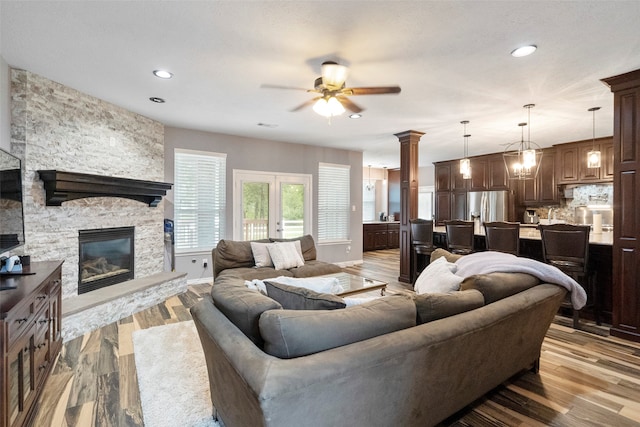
(594, 157)
(522, 158)
(370, 186)
(465, 163)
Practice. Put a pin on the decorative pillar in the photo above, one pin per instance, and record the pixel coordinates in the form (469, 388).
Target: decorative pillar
(626, 208)
(408, 196)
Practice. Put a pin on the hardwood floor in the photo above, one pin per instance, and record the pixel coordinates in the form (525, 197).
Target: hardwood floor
(585, 379)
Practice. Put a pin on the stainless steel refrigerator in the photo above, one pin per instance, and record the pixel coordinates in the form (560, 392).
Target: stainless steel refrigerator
(487, 206)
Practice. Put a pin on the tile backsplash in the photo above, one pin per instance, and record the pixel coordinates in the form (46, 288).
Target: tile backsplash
(583, 195)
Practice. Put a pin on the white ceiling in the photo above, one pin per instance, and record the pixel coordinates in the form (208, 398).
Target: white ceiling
(451, 59)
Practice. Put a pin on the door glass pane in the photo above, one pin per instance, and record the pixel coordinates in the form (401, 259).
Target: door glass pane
(292, 196)
(255, 210)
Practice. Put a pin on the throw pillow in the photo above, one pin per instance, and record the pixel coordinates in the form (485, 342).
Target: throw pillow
(261, 254)
(438, 277)
(432, 307)
(285, 255)
(495, 286)
(438, 253)
(294, 298)
(295, 333)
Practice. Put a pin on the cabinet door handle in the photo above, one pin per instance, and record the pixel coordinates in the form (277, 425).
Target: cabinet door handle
(42, 367)
(43, 321)
(41, 297)
(22, 320)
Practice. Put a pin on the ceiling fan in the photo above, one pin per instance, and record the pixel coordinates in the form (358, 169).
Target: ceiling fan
(333, 93)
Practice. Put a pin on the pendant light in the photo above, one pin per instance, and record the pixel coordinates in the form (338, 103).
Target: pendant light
(594, 156)
(465, 163)
(370, 186)
(522, 158)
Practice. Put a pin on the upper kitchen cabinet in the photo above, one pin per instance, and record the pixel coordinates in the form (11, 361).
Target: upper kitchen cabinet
(488, 173)
(572, 162)
(543, 190)
(443, 176)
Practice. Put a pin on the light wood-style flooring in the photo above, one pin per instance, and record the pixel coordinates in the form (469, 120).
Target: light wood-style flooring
(585, 379)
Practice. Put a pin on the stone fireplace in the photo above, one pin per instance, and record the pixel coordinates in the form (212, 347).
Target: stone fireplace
(106, 257)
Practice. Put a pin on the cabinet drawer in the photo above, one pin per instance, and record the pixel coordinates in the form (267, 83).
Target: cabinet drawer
(20, 321)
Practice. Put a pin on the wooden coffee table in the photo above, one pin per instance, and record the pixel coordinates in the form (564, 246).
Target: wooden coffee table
(356, 284)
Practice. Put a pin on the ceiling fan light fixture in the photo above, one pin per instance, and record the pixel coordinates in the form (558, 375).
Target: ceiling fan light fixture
(333, 75)
(328, 107)
(523, 51)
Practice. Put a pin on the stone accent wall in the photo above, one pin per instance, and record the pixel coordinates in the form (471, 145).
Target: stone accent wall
(56, 127)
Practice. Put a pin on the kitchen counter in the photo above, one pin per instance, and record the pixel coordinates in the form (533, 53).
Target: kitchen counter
(532, 233)
(380, 222)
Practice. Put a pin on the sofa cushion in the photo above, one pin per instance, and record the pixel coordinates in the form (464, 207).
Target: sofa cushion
(261, 255)
(438, 277)
(307, 246)
(295, 298)
(243, 307)
(444, 253)
(233, 254)
(295, 333)
(315, 268)
(495, 286)
(436, 306)
(285, 255)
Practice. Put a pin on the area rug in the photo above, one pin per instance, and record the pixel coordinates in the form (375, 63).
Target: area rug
(172, 376)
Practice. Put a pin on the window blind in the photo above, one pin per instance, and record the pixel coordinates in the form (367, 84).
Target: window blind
(199, 200)
(333, 202)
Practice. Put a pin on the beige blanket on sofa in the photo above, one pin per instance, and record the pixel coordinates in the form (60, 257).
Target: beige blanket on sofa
(491, 262)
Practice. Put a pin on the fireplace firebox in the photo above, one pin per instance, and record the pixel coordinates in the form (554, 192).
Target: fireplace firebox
(106, 257)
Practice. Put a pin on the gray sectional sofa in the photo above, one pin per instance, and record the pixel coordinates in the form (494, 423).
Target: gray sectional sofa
(399, 360)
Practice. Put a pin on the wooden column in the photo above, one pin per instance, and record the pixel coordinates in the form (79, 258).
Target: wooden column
(626, 209)
(408, 196)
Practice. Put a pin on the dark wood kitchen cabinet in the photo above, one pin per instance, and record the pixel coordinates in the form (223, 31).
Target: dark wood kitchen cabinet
(378, 236)
(543, 190)
(30, 323)
(572, 167)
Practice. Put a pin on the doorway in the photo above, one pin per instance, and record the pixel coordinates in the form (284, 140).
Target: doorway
(268, 204)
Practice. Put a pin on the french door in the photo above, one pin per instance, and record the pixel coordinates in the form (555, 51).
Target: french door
(270, 205)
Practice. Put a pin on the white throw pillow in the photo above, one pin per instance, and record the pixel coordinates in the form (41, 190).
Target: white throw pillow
(261, 254)
(438, 277)
(285, 255)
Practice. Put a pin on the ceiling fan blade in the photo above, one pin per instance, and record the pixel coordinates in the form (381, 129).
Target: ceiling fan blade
(380, 90)
(349, 104)
(305, 104)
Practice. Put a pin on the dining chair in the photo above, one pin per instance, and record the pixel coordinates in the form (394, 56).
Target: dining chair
(421, 244)
(502, 237)
(459, 236)
(566, 247)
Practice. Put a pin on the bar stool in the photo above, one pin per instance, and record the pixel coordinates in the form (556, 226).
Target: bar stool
(459, 236)
(421, 243)
(566, 246)
(502, 237)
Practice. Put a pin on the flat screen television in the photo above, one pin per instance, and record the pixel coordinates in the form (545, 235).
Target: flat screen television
(11, 212)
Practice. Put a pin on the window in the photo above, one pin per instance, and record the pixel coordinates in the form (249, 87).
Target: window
(333, 202)
(425, 202)
(199, 200)
(368, 202)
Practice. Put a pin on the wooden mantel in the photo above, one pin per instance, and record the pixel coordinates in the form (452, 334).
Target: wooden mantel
(63, 186)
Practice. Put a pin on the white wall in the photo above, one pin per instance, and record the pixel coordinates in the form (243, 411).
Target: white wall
(272, 156)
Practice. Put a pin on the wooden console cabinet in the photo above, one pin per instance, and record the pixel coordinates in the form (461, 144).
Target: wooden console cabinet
(30, 323)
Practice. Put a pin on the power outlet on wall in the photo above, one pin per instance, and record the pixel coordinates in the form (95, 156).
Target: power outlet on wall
(204, 263)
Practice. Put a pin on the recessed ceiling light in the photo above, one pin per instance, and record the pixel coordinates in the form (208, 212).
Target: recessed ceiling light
(524, 51)
(163, 74)
(156, 100)
(355, 116)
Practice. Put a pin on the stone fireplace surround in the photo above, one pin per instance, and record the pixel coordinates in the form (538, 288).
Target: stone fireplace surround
(54, 127)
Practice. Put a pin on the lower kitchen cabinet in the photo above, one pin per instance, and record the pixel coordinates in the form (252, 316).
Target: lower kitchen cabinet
(378, 236)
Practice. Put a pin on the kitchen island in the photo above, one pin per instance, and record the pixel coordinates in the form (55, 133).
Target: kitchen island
(600, 261)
